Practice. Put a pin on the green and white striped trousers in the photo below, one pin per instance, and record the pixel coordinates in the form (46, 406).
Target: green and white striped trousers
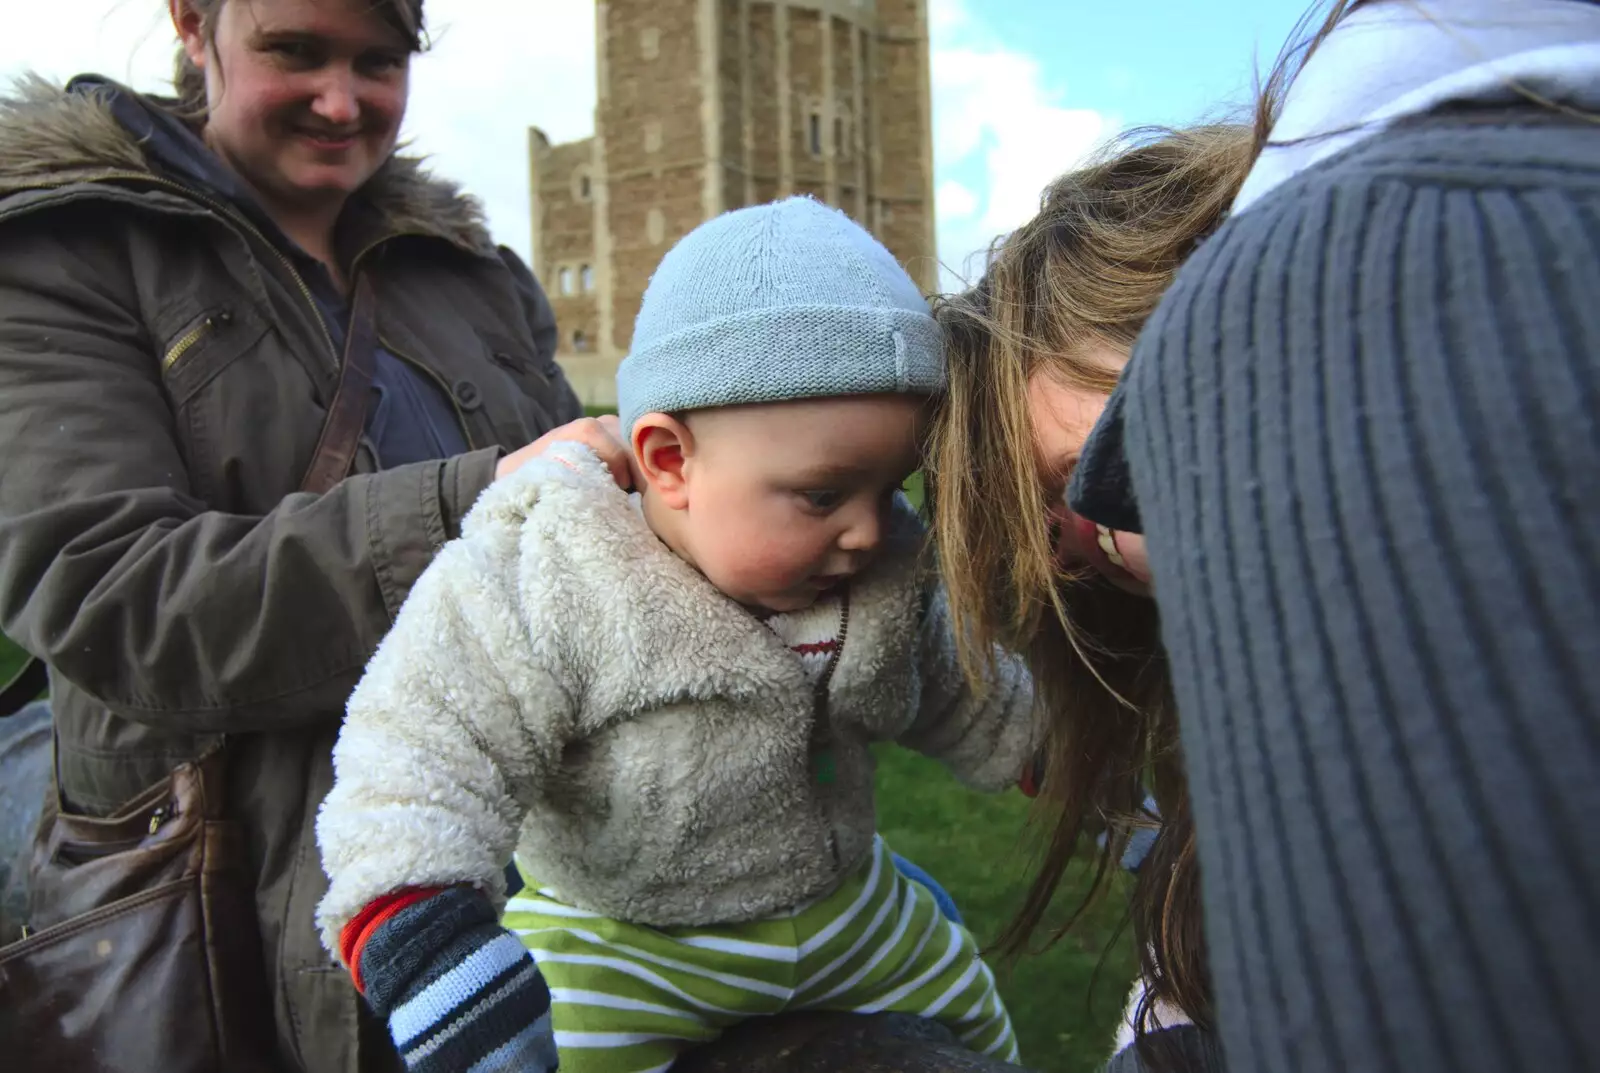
(627, 998)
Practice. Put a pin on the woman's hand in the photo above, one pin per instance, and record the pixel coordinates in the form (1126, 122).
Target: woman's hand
(602, 435)
(1120, 557)
(1127, 551)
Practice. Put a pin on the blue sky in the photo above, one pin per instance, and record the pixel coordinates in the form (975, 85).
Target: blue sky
(1023, 89)
(1163, 61)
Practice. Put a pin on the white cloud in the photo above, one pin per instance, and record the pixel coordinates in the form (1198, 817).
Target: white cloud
(994, 102)
(947, 16)
(130, 40)
(955, 201)
(1002, 128)
(497, 68)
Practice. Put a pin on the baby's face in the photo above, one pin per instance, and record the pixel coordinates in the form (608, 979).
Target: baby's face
(787, 500)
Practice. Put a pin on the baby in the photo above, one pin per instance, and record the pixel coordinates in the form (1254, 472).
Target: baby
(664, 703)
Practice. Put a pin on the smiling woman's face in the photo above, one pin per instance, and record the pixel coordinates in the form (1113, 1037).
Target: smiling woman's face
(1063, 415)
(305, 97)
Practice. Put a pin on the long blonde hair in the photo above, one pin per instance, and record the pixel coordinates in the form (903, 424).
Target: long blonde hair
(1085, 272)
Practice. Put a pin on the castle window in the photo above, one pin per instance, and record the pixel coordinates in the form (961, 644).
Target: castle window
(564, 280)
(586, 279)
(652, 135)
(838, 137)
(580, 340)
(655, 227)
(584, 188)
(816, 134)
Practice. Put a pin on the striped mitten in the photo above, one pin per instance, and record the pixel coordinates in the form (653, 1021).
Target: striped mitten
(459, 991)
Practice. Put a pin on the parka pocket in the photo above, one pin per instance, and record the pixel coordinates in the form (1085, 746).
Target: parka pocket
(200, 344)
(203, 344)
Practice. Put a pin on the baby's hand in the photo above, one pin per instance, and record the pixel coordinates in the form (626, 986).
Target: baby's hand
(456, 988)
(602, 435)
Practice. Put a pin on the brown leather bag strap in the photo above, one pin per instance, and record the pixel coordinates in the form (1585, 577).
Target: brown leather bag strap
(347, 415)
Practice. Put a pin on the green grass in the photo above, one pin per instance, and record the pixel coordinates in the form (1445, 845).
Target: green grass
(11, 659)
(1065, 1001)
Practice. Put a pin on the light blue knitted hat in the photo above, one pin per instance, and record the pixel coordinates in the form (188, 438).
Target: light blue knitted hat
(792, 300)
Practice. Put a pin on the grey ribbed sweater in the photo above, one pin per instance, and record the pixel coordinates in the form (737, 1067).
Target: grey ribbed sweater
(1363, 430)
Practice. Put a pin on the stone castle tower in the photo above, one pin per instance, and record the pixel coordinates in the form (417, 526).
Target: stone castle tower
(711, 105)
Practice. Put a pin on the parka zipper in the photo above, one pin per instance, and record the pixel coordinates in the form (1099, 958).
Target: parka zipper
(461, 415)
(158, 819)
(833, 664)
(823, 759)
(187, 341)
(161, 815)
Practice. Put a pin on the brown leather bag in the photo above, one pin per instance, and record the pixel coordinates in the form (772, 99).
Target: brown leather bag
(144, 951)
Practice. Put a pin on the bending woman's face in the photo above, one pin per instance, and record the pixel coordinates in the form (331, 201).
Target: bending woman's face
(1063, 415)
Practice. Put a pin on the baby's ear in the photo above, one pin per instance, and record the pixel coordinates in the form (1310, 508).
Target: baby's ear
(660, 443)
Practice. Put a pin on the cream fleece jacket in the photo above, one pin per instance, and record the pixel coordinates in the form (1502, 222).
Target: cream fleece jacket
(559, 683)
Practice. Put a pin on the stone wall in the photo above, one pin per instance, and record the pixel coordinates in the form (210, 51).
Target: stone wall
(652, 117)
(903, 220)
(564, 251)
(844, 145)
(766, 157)
(808, 132)
(734, 83)
(710, 105)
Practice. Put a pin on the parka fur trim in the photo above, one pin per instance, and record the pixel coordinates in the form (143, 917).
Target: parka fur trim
(50, 137)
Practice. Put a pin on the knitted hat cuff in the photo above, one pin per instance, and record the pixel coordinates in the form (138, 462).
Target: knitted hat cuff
(748, 358)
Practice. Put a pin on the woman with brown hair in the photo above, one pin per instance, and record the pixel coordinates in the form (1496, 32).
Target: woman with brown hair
(1034, 351)
(1358, 431)
(256, 366)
